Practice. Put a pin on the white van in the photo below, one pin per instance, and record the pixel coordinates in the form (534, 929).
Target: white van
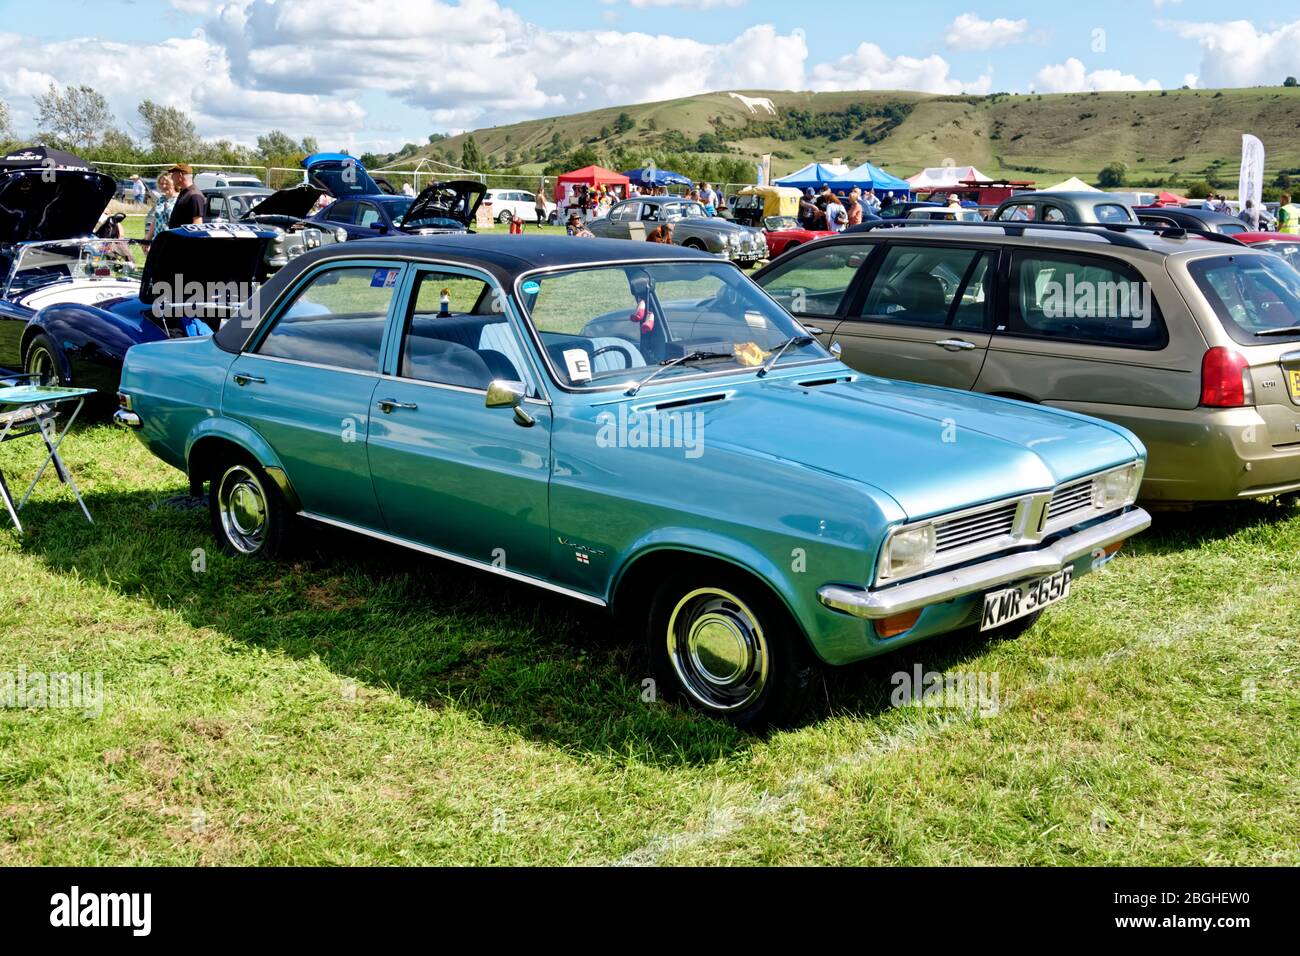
(213, 180)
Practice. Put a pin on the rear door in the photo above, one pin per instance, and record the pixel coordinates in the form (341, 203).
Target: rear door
(923, 314)
(307, 381)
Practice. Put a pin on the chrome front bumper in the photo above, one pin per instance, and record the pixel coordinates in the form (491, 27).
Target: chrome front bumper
(975, 578)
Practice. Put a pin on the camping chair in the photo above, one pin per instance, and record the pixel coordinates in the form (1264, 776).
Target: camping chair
(24, 420)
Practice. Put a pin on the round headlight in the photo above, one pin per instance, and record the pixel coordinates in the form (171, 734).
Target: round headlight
(340, 235)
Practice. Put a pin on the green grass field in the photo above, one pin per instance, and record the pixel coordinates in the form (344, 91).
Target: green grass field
(367, 705)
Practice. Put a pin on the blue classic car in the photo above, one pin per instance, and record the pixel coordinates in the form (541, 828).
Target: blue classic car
(639, 427)
(440, 207)
(70, 308)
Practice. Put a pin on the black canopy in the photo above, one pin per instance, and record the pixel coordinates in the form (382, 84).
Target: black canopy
(46, 156)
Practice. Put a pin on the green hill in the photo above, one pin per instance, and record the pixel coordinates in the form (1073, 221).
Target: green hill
(1165, 138)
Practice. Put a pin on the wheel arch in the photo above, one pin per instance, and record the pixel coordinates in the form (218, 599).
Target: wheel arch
(215, 440)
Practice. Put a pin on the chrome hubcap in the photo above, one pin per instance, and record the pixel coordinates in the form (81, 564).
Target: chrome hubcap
(241, 503)
(41, 364)
(717, 649)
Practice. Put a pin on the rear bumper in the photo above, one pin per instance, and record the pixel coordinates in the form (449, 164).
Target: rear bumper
(886, 602)
(126, 419)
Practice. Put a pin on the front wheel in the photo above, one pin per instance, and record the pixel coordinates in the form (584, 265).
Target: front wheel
(248, 513)
(722, 643)
(40, 362)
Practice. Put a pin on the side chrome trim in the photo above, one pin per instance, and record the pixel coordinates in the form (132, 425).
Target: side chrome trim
(126, 419)
(938, 588)
(458, 559)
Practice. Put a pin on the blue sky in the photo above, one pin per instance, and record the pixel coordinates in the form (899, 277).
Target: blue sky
(372, 74)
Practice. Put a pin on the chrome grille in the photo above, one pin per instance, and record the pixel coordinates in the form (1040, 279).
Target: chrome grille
(1069, 501)
(975, 529)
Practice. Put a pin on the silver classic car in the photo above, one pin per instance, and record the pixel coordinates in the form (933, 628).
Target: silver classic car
(692, 227)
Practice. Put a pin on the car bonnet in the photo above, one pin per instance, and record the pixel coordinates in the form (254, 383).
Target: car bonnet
(42, 204)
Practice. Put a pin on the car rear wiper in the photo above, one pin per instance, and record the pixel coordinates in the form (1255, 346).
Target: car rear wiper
(665, 366)
(1288, 330)
(800, 339)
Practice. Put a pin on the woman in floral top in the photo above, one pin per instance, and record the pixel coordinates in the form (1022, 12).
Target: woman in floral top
(162, 209)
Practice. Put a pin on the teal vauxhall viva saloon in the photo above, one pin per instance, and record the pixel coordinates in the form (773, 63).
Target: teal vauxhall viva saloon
(640, 427)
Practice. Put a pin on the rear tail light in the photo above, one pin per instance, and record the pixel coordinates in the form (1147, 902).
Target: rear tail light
(1225, 379)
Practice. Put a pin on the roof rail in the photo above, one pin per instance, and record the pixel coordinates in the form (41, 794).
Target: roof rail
(1115, 233)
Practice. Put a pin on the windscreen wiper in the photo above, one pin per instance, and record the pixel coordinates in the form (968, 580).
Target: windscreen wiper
(800, 339)
(665, 366)
(1288, 330)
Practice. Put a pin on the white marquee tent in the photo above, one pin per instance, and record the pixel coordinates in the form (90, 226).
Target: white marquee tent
(946, 177)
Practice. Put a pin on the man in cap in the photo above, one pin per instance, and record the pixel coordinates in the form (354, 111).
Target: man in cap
(191, 205)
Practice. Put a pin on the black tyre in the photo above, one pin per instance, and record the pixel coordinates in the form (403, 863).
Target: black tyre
(694, 244)
(724, 644)
(248, 513)
(40, 361)
(505, 216)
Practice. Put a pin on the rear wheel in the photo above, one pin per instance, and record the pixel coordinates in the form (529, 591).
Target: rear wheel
(694, 244)
(505, 216)
(247, 511)
(721, 642)
(40, 362)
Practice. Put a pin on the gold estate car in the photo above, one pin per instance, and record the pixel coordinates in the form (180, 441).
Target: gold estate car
(1191, 341)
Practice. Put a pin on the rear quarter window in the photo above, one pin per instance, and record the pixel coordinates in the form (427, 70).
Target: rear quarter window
(1255, 297)
(1085, 299)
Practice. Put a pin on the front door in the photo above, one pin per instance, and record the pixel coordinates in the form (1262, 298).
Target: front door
(306, 386)
(449, 472)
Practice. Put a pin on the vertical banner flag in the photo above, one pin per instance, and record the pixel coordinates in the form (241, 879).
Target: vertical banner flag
(767, 169)
(758, 174)
(1250, 184)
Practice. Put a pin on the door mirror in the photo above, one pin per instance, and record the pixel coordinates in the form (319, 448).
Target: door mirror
(506, 394)
(380, 228)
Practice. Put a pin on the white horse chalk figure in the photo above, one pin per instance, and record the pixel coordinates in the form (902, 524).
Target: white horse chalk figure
(753, 101)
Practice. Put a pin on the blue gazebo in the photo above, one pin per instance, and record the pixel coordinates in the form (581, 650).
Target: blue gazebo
(650, 176)
(868, 176)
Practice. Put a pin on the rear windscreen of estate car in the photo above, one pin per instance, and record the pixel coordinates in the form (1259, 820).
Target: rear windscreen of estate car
(1256, 297)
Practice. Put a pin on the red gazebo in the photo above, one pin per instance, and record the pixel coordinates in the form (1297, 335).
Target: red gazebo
(1170, 199)
(591, 176)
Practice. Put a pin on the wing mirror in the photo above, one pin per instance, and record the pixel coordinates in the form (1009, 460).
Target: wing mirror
(505, 394)
(380, 228)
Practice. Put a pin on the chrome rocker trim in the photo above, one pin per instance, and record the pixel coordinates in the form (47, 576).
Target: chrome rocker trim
(938, 588)
(459, 559)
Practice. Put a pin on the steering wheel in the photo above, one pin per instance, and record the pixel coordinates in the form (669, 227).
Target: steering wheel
(627, 354)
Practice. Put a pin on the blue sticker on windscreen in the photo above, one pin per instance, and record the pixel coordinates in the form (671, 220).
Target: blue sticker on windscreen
(383, 278)
(530, 287)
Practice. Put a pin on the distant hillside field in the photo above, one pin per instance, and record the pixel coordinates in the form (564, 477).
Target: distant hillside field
(1164, 138)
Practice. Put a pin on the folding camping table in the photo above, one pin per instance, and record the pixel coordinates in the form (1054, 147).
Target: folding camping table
(30, 410)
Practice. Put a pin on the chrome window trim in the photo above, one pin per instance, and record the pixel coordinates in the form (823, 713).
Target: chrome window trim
(306, 364)
(457, 558)
(453, 388)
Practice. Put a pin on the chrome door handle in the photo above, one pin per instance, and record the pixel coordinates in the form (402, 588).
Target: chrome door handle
(956, 345)
(242, 379)
(388, 404)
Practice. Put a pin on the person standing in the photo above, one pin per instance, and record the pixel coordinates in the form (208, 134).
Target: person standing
(1288, 216)
(1250, 215)
(807, 209)
(854, 207)
(161, 213)
(539, 203)
(137, 189)
(191, 205)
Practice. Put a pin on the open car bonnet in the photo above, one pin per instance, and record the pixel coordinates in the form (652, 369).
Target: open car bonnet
(42, 203)
(187, 263)
(445, 205)
(296, 201)
(340, 175)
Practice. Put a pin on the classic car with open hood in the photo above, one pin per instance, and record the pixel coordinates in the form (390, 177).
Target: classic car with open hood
(440, 207)
(70, 308)
(287, 211)
(638, 427)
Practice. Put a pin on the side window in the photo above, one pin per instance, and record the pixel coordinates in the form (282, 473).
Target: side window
(649, 212)
(917, 285)
(217, 207)
(336, 319)
(369, 214)
(1053, 214)
(624, 213)
(457, 334)
(1020, 212)
(1108, 212)
(341, 211)
(1083, 298)
(814, 282)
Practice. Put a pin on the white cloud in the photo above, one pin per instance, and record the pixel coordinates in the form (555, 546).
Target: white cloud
(1073, 77)
(870, 68)
(689, 4)
(1236, 53)
(970, 32)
